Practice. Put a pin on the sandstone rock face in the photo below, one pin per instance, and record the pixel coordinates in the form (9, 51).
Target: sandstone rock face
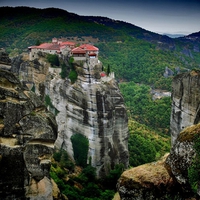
(93, 106)
(31, 73)
(4, 58)
(95, 109)
(185, 102)
(27, 135)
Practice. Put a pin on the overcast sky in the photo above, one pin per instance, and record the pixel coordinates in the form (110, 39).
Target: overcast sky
(161, 16)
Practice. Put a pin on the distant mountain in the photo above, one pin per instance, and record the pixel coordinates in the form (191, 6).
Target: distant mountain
(26, 24)
(29, 24)
(173, 35)
(197, 34)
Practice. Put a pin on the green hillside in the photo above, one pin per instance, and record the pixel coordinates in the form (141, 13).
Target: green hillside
(133, 53)
(22, 26)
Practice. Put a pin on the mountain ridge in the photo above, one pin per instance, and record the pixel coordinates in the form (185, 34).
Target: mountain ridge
(49, 13)
(61, 23)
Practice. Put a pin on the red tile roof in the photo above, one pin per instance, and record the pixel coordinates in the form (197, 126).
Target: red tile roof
(89, 47)
(78, 50)
(83, 49)
(47, 46)
(67, 43)
(53, 46)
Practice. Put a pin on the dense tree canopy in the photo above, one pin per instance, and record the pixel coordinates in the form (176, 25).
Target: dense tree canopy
(142, 108)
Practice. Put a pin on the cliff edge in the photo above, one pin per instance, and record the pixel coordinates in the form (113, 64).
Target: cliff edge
(94, 107)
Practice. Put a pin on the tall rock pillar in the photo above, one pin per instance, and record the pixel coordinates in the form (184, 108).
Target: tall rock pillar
(94, 108)
(185, 102)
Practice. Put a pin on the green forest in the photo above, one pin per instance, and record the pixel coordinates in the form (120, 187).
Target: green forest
(141, 62)
(142, 108)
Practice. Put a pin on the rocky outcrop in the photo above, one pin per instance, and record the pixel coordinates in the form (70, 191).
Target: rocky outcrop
(185, 102)
(4, 58)
(182, 154)
(164, 179)
(27, 135)
(149, 181)
(31, 73)
(93, 106)
(5, 61)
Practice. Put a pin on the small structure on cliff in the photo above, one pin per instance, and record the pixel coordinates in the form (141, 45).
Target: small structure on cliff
(85, 51)
(57, 46)
(60, 47)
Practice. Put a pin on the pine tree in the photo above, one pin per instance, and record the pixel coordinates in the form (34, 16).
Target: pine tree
(108, 70)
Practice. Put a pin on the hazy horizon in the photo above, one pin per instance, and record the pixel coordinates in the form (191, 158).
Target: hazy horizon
(159, 16)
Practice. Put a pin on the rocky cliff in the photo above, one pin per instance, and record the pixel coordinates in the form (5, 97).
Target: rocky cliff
(5, 61)
(169, 177)
(149, 181)
(185, 102)
(93, 106)
(27, 135)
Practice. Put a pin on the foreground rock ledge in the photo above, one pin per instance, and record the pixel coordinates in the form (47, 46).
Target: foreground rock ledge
(148, 181)
(27, 135)
(167, 178)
